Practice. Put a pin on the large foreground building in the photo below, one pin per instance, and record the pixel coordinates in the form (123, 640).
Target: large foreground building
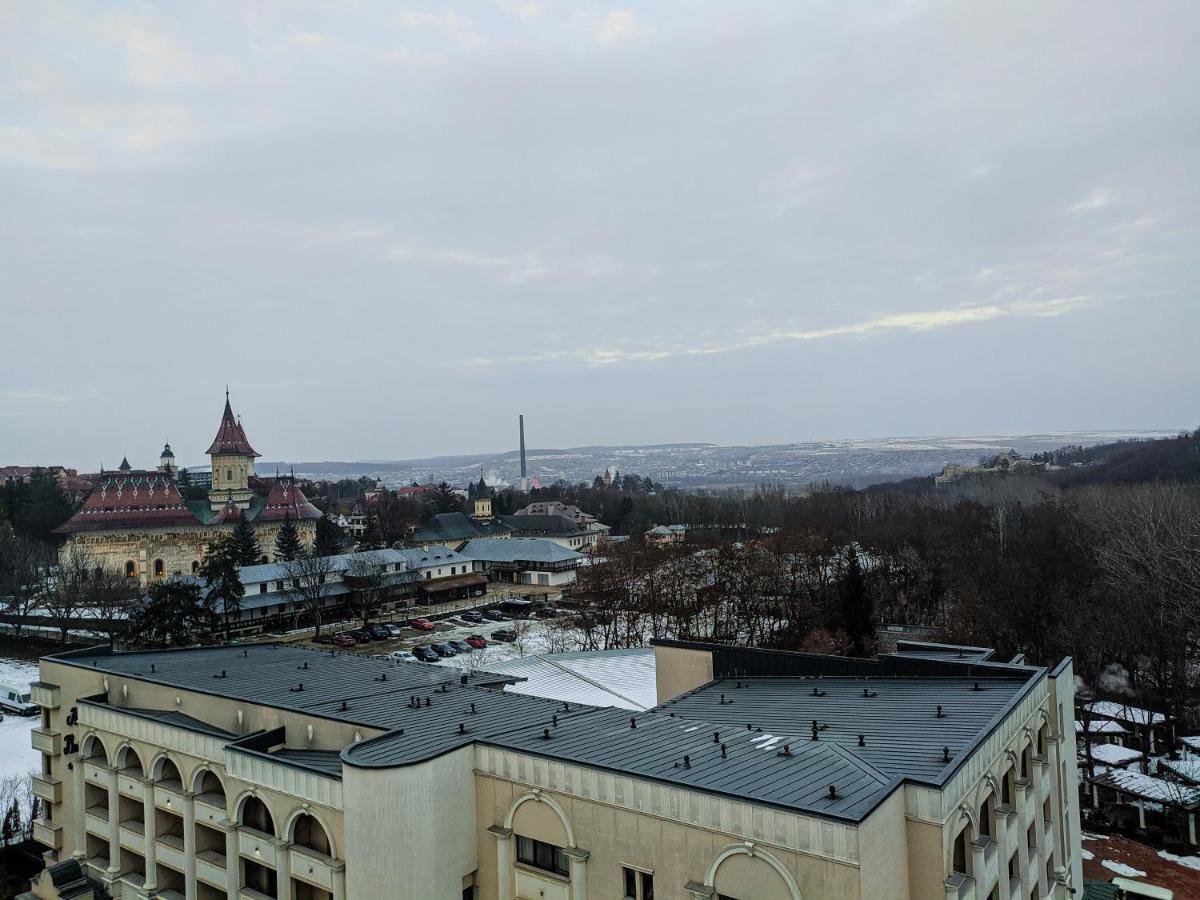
(138, 522)
(268, 771)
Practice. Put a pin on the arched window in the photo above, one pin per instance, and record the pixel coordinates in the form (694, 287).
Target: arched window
(229, 474)
(959, 862)
(307, 832)
(195, 567)
(1006, 788)
(159, 568)
(98, 573)
(985, 815)
(130, 569)
(256, 815)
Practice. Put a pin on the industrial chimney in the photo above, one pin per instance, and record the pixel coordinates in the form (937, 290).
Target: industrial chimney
(524, 473)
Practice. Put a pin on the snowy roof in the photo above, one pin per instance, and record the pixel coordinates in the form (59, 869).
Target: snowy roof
(519, 550)
(1186, 769)
(433, 555)
(621, 678)
(1115, 754)
(1122, 712)
(1104, 726)
(1192, 742)
(341, 562)
(1148, 787)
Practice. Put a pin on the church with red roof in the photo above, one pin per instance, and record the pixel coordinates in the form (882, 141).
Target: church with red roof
(141, 524)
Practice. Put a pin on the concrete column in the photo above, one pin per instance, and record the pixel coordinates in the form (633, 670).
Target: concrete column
(503, 861)
(1141, 813)
(189, 845)
(114, 823)
(579, 860)
(78, 786)
(233, 861)
(149, 826)
(978, 860)
(1192, 828)
(339, 881)
(283, 870)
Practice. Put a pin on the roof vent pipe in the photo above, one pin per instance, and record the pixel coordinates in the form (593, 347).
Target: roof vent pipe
(722, 751)
(945, 754)
(716, 737)
(833, 792)
(940, 714)
(633, 723)
(687, 761)
(862, 740)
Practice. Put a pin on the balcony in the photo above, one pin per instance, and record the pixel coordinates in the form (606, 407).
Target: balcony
(46, 740)
(168, 798)
(312, 867)
(96, 821)
(50, 834)
(133, 835)
(210, 809)
(130, 783)
(257, 845)
(48, 788)
(959, 886)
(169, 849)
(210, 868)
(249, 893)
(44, 694)
(97, 774)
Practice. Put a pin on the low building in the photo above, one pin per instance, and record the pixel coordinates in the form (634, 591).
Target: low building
(442, 574)
(1143, 725)
(267, 770)
(524, 561)
(562, 530)
(455, 529)
(666, 534)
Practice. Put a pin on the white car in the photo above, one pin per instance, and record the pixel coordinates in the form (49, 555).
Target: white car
(402, 656)
(15, 700)
(394, 630)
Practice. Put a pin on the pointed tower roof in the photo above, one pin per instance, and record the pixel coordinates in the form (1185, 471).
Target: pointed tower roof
(230, 436)
(124, 466)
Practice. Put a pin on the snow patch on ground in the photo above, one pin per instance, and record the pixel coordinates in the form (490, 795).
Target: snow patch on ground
(1122, 869)
(1191, 862)
(17, 756)
(1088, 836)
(1087, 854)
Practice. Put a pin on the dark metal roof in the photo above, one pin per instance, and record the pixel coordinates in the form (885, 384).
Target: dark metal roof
(425, 711)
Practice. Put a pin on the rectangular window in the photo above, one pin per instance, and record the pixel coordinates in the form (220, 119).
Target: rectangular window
(639, 885)
(541, 855)
(262, 588)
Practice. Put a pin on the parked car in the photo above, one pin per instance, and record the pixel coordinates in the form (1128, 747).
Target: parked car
(473, 615)
(343, 640)
(394, 630)
(323, 639)
(17, 701)
(361, 635)
(504, 634)
(461, 646)
(425, 654)
(477, 641)
(444, 650)
(496, 615)
(402, 656)
(379, 632)
(547, 612)
(422, 623)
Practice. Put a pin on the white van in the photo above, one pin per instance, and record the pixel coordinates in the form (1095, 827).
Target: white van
(17, 701)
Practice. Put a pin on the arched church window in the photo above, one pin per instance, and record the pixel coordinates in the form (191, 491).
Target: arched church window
(130, 569)
(195, 567)
(159, 568)
(229, 474)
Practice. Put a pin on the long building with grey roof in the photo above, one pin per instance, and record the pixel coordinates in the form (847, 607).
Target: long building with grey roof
(283, 772)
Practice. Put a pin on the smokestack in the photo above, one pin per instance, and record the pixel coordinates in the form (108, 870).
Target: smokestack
(521, 419)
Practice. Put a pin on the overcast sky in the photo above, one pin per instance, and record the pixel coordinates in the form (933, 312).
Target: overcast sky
(391, 227)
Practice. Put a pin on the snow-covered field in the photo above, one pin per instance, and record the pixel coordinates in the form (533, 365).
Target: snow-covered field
(17, 757)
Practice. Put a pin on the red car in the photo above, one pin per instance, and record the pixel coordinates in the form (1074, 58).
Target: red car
(422, 623)
(343, 640)
(477, 642)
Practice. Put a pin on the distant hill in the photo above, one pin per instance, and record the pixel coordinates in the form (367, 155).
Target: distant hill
(1131, 462)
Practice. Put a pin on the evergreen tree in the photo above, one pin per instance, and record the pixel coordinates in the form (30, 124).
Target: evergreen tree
(287, 542)
(173, 615)
(329, 540)
(445, 500)
(220, 570)
(245, 543)
(856, 607)
(372, 538)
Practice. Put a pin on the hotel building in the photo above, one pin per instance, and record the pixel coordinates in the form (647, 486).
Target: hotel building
(277, 772)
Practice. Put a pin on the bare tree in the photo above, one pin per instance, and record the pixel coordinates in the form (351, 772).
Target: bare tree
(364, 575)
(64, 593)
(108, 599)
(23, 563)
(310, 576)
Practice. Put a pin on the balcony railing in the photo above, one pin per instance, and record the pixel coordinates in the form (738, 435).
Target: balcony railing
(129, 783)
(97, 773)
(49, 834)
(210, 868)
(44, 694)
(210, 809)
(48, 788)
(46, 740)
(133, 835)
(256, 845)
(168, 798)
(312, 867)
(169, 848)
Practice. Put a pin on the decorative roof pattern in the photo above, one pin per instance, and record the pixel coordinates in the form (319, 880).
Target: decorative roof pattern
(286, 499)
(230, 436)
(131, 500)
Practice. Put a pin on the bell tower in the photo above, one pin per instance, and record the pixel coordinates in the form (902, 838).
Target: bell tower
(232, 463)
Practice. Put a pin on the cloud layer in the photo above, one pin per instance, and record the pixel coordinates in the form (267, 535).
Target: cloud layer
(394, 227)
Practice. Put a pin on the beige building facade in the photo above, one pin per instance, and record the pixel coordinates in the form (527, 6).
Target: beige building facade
(279, 772)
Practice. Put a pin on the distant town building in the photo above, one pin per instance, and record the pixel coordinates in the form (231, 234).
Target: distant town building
(1010, 462)
(73, 484)
(138, 523)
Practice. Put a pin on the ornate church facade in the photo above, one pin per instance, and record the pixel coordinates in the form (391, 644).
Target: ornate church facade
(139, 523)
